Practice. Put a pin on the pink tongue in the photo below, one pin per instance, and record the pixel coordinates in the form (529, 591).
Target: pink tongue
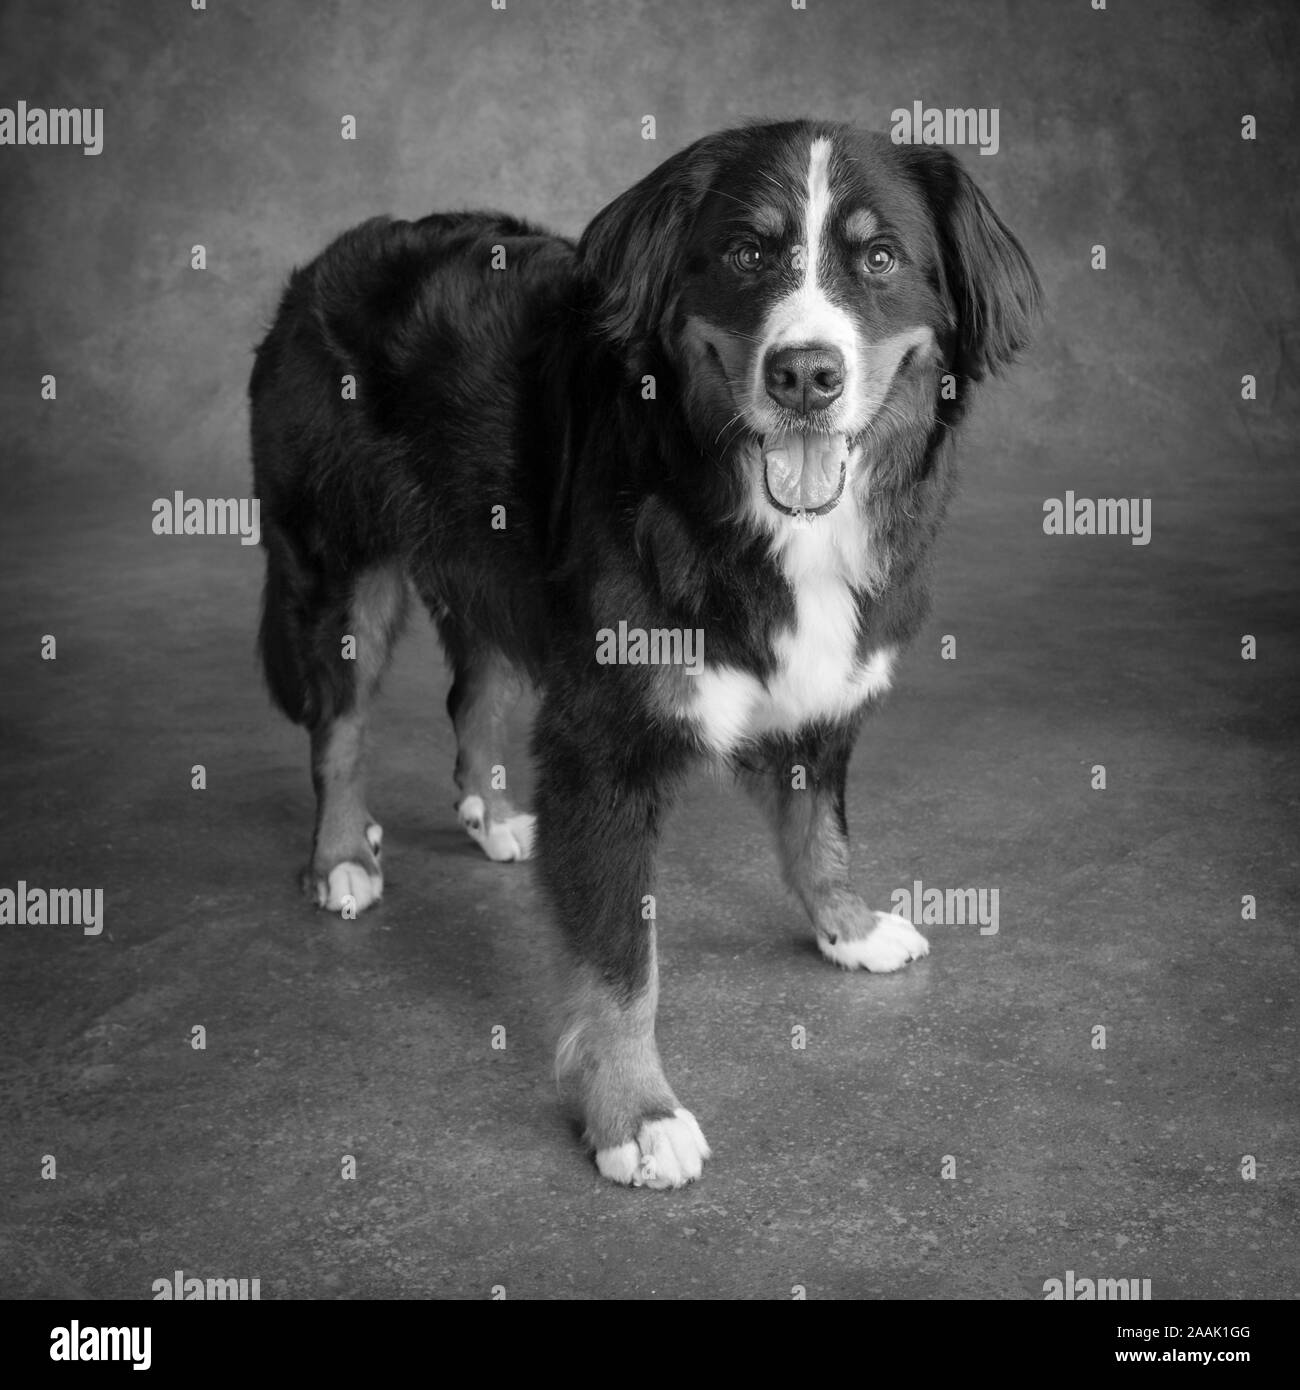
(804, 470)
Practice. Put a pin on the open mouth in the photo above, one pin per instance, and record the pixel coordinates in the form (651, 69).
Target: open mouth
(803, 474)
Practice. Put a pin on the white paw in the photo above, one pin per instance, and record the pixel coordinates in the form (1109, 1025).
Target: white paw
(889, 945)
(349, 882)
(666, 1153)
(500, 840)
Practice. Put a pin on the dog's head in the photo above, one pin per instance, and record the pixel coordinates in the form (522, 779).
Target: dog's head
(811, 283)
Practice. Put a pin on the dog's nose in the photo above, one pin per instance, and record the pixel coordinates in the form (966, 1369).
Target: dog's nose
(804, 378)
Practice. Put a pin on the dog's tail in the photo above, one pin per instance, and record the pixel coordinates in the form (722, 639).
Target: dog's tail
(284, 638)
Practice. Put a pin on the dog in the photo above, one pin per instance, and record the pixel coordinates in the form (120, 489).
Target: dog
(721, 424)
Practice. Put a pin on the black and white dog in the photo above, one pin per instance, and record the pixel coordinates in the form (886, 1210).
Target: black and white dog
(721, 424)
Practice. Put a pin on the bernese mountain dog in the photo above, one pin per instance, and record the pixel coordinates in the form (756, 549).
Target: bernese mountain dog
(683, 478)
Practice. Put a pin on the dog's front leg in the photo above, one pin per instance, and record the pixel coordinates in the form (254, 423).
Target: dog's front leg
(800, 783)
(598, 809)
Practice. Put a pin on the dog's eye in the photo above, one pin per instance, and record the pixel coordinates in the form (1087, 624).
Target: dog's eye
(747, 256)
(879, 259)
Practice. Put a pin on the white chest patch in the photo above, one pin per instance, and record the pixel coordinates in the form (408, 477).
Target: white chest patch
(818, 675)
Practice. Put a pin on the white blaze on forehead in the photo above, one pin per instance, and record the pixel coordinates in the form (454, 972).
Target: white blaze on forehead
(817, 208)
(807, 316)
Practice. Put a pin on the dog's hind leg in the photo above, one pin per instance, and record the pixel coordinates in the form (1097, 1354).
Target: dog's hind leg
(352, 639)
(485, 687)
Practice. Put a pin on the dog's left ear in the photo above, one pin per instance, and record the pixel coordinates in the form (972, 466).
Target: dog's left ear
(632, 249)
(996, 294)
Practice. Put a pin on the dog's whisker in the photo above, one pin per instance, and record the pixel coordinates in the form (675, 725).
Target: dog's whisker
(736, 417)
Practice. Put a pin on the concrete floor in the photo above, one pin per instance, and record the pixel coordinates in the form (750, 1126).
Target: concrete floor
(1119, 908)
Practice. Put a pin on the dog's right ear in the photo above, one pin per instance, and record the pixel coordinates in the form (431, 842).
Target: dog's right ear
(632, 249)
